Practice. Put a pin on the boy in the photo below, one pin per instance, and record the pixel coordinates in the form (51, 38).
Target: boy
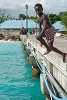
(48, 31)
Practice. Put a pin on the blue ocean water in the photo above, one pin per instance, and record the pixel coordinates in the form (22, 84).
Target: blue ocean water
(16, 82)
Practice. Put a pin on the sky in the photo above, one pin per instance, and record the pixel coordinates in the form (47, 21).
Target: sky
(16, 7)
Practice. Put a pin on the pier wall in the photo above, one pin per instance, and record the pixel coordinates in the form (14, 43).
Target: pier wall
(53, 61)
(11, 32)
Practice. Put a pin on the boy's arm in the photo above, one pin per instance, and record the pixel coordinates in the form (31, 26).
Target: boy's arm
(44, 28)
(40, 28)
(44, 25)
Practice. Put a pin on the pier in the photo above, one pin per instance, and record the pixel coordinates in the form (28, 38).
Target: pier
(51, 68)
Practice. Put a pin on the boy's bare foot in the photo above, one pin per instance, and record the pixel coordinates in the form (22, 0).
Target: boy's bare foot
(47, 51)
(64, 56)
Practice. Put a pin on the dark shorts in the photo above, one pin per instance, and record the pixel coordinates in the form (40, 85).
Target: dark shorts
(50, 33)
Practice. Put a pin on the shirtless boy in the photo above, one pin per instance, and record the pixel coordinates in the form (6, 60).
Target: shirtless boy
(48, 31)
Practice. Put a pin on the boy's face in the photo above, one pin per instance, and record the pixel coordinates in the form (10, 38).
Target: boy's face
(38, 10)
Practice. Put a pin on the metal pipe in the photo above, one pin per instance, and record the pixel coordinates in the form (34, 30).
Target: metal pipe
(26, 18)
(60, 91)
(56, 85)
(50, 77)
(49, 90)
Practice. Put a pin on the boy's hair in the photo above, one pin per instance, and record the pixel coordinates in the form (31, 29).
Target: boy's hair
(38, 4)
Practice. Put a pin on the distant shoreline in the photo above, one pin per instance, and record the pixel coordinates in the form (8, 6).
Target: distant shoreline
(8, 41)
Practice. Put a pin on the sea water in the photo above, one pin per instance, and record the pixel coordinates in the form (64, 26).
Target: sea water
(16, 81)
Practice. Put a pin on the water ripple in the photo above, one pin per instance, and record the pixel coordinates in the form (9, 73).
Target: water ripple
(16, 80)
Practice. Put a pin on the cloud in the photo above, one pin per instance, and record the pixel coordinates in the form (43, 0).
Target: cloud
(18, 6)
(45, 3)
(63, 4)
(9, 4)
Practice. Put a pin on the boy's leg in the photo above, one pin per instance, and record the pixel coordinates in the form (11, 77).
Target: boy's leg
(50, 47)
(61, 53)
(50, 44)
(64, 56)
(42, 41)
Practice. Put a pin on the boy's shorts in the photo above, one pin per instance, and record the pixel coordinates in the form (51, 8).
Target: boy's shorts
(50, 33)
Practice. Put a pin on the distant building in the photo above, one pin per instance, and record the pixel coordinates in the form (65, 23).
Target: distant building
(59, 27)
(16, 25)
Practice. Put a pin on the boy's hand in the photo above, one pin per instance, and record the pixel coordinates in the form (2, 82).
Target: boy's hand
(38, 36)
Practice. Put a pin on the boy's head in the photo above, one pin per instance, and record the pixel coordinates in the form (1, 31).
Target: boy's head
(38, 8)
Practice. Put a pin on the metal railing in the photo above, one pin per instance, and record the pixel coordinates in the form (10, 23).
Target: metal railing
(47, 75)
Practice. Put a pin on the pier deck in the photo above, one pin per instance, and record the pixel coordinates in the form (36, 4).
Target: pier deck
(54, 61)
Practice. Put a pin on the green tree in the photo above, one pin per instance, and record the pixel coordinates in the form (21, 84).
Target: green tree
(53, 18)
(22, 16)
(3, 15)
(64, 19)
(32, 17)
